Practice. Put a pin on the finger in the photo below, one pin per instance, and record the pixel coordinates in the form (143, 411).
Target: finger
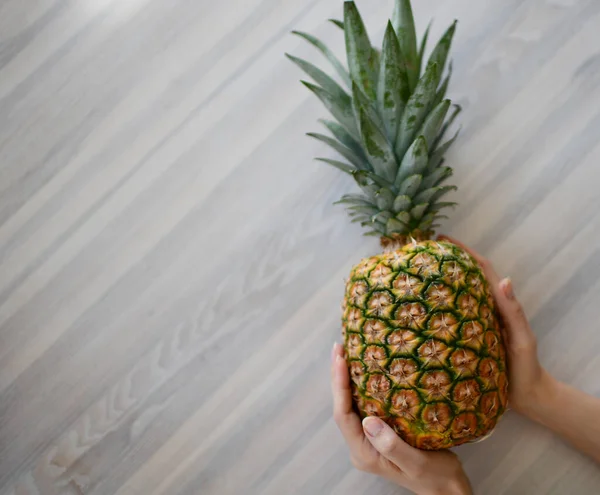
(342, 393)
(520, 335)
(345, 417)
(336, 350)
(364, 456)
(392, 447)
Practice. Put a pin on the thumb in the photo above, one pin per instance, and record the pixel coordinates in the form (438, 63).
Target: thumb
(392, 447)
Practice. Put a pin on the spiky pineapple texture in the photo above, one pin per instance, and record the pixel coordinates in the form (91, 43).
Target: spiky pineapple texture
(424, 346)
(389, 124)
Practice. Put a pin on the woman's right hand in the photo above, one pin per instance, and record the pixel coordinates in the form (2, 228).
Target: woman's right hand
(528, 381)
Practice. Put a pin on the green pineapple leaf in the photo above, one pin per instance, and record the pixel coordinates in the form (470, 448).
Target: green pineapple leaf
(382, 216)
(366, 210)
(443, 89)
(403, 217)
(378, 226)
(404, 25)
(322, 79)
(449, 122)
(401, 203)
(378, 150)
(423, 47)
(415, 161)
(377, 55)
(393, 91)
(385, 199)
(426, 222)
(337, 22)
(361, 57)
(341, 109)
(437, 157)
(390, 127)
(443, 190)
(433, 123)
(366, 184)
(344, 137)
(380, 181)
(344, 167)
(394, 226)
(436, 177)
(411, 185)
(438, 217)
(353, 199)
(440, 206)
(441, 50)
(341, 149)
(428, 195)
(357, 218)
(418, 211)
(360, 218)
(361, 102)
(416, 110)
(337, 65)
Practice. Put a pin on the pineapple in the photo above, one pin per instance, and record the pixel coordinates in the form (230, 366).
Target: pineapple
(420, 330)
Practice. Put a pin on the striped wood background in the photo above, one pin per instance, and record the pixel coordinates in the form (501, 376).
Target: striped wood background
(171, 265)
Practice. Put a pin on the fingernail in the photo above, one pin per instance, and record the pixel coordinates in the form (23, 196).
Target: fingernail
(507, 288)
(334, 351)
(372, 426)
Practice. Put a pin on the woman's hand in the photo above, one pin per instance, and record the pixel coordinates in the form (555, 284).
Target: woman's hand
(570, 413)
(528, 381)
(375, 447)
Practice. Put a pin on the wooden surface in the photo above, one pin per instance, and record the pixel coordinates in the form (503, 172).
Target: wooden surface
(171, 265)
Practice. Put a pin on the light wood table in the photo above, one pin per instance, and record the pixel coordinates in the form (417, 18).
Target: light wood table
(171, 265)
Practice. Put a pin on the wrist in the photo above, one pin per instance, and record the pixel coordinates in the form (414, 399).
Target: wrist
(459, 486)
(459, 489)
(542, 398)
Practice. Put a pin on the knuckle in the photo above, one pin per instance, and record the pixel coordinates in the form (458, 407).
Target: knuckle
(366, 464)
(387, 445)
(534, 344)
(419, 467)
(372, 465)
(527, 347)
(341, 417)
(518, 317)
(338, 417)
(520, 312)
(358, 464)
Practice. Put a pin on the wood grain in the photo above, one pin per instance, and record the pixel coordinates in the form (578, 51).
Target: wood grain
(171, 265)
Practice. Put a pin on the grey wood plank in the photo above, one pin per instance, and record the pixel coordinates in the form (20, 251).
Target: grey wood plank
(171, 264)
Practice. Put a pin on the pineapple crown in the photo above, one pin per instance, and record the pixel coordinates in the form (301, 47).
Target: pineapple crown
(389, 124)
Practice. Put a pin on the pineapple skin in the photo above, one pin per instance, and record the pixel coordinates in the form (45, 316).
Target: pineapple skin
(424, 345)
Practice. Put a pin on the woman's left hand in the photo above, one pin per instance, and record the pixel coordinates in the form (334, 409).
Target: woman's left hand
(375, 447)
